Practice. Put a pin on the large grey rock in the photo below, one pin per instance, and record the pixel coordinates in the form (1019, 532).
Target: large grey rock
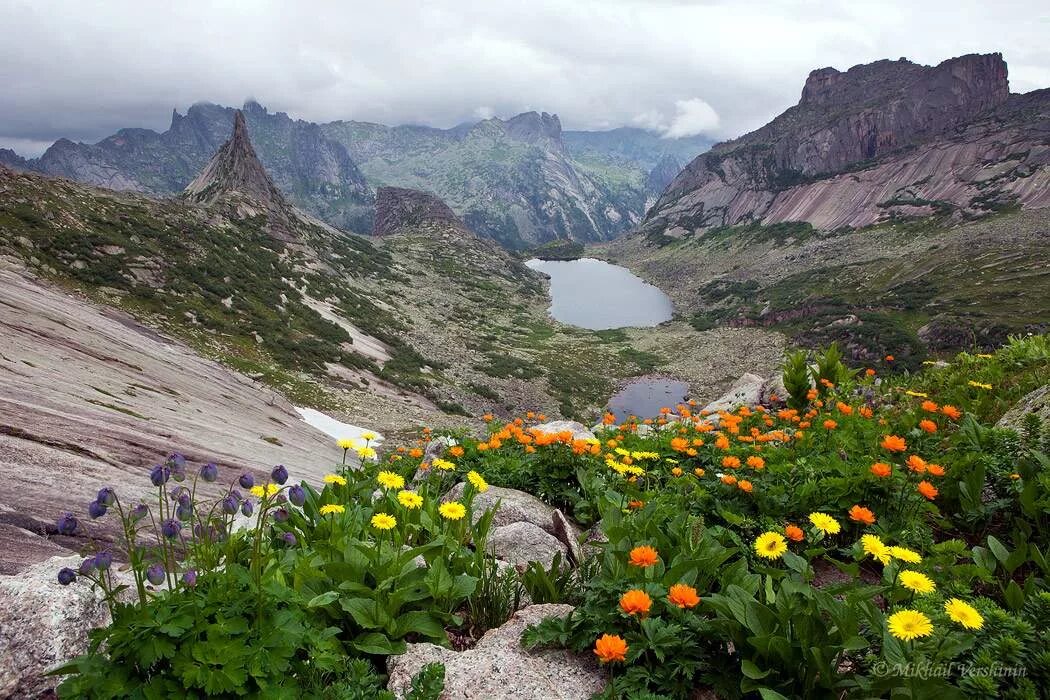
(514, 506)
(746, 391)
(1037, 402)
(43, 624)
(579, 430)
(567, 535)
(521, 543)
(498, 668)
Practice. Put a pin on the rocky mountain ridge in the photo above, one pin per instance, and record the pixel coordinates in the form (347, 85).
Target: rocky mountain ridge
(519, 181)
(883, 141)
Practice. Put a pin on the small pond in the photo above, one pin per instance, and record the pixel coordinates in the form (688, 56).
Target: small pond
(596, 295)
(644, 397)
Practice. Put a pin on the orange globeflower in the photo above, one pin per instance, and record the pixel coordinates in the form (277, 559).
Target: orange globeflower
(917, 464)
(866, 411)
(455, 451)
(608, 419)
(844, 408)
(794, 533)
(870, 372)
(722, 442)
(935, 469)
(730, 462)
(929, 406)
(756, 462)
(609, 648)
(830, 424)
(683, 596)
(635, 602)
(889, 358)
(679, 444)
(676, 471)
(643, 556)
(928, 426)
(487, 417)
(860, 514)
(951, 411)
(881, 469)
(728, 479)
(928, 490)
(635, 505)
(744, 485)
(894, 443)
(699, 472)
(415, 452)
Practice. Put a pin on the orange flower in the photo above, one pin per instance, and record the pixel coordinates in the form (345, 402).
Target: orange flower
(728, 479)
(928, 490)
(917, 464)
(643, 556)
(794, 533)
(722, 442)
(608, 419)
(866, 411)
(951, 411)
(635, 505)
(935, 469)
(679, 444)
(929, 406)
(609, 648)
(487, 417)
(455, 451)
(844, 408)
(635, 602)
(744, 485)
(683, 596)
(830, 424)
(756, 462)
(730, 462)
(881, 469)
(699, 472)
(415, 452)
(811, 394)
(889, 358)
(894, 443)
(870, 372)
(860, 514)
(928, 426)
(676, 471)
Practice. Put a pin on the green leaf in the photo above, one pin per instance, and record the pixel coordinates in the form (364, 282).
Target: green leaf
(324, 599)
(749, 669)
(1000, 552)
(770, 694)
(378, 644)
(365, 612)
(1014, 596)
(421, 622)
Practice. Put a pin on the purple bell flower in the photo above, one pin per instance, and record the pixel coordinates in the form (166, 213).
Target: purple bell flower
(159, 475)
(281, 515)
(87, 566)
(229, 504)
(67, 524)
(247, 508)
(106, 496)
(170, 528)
(155, 574)
(297, 495)
(210, 472)
(183, 513)
(103, 560)
(189, 579)
(288, 538)
(96, 509)
(139, 512)
(66, 576)
(279, 474)
(176, 460)
(246, 481)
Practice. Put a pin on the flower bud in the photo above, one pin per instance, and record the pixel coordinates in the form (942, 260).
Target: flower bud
(96, 509)
(288, 538)
(170, 528)
(67, 524)
(280, 515)
(106, 496)
(297, 495)
(155, 574)
(139, 512)
(86, 566)
(183, 513)
(247, 508)
(246, 481)
(209, 472)
(189, 579)
(159, 475)
(66, 576)
(279, 474)
(229, 504)
(103, 560)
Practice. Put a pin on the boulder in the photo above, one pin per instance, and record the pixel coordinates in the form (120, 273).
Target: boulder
(746, 391)
(1037, 402)
(567, 535)
(43, 624)
(579, 430)
(774, 387)
(514, 506)
(498, 668)
(521, 543)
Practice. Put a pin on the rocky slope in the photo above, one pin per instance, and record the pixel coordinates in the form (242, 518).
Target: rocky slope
(884, 141)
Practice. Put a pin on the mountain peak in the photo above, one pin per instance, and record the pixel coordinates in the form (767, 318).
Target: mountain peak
(534, 126)
(235, 176)
(399, 208)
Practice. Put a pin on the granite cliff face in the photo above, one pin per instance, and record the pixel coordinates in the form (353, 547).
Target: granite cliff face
(883, 141)
(398, 208)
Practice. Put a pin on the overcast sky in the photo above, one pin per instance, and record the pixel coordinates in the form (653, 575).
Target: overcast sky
(83, 69)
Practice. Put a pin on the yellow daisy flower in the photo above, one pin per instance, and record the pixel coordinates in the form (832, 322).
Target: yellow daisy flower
(330, 508)
(443, 464)
(264, 491)
(906, 555)
(410, 499)
(383, 521)
(907, 625)
(390, 480)
(477, 481)
(334, 479)
(770, 545)
(876, 548)
(825, 523)
(453, 510)
(347, 444)
(366, 453)
(916, 582)
(964, 614)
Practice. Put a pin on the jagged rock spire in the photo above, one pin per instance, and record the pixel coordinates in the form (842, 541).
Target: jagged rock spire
(399, 208)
